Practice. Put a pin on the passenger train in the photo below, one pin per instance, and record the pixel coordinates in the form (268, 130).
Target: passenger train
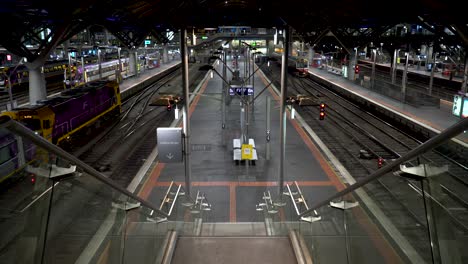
(60, 120)
(57, 71)
(297, 66)
(19, 77)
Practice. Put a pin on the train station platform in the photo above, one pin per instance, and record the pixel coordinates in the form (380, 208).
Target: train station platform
(235, 191)
(147, 74)
(421, 71)
(431, 118)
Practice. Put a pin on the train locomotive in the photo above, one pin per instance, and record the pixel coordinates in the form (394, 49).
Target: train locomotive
(63, 117)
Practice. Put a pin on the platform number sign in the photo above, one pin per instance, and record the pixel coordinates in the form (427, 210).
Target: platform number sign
(241, 90)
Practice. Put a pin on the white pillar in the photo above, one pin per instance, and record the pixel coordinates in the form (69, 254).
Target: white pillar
(352, 63)
(165, 54)
(37, 85)
(311, 55)
(132, 60)
(270, 47)
(464, 88)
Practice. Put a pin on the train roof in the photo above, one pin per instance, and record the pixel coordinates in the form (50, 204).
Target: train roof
(65, 96)
(28, 107)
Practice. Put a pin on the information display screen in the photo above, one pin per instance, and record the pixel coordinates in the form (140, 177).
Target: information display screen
(241, 90)
(457, 105)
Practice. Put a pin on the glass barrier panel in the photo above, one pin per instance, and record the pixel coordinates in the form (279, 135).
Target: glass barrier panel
(86, 218)
(387, 223)
(325, 235)
(24, 199)
(145, 233)
(446, 200)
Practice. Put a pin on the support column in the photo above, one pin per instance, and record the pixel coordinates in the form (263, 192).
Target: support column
(99, 51)
(283, 119)
(247, 57)
(37, 85)
(132, 61)
(352, 65)
(106, 36)
(430, 50)
(394, 64)
(270, 47)
(165, 54)
(465, 76)
(268, 128)
(118, 76)
(431, 80)
(374, 57)
(311, 56)
(185, 81)
(253, 70)
(403, 79)
(245, 65)
(223, 95)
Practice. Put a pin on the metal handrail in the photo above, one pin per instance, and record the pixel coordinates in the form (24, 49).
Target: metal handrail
(430, 144)
(12, 125)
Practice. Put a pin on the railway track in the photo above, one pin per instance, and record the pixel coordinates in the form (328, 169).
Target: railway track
(83, 202)
(347, 131)
(119, 150)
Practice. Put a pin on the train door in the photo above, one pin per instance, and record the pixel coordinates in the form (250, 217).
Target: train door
(47, 119)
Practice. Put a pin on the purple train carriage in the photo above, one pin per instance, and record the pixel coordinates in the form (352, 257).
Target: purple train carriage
(15, 154)
(62, 118)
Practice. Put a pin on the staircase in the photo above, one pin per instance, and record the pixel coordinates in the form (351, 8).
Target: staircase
(234, 243)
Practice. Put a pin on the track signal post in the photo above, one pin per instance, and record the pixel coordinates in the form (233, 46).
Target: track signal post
(322, 111)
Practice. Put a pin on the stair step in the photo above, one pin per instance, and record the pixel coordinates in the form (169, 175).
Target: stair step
(208, 250)
(234, 229)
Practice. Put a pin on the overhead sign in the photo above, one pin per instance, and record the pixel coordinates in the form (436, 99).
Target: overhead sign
(241, 90)
(169, 35)
(457, 105)
(169, 142)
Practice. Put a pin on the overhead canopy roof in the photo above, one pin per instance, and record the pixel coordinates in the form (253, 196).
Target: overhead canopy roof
(305, 16)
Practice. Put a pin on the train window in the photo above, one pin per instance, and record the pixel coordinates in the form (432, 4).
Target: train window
(33, 124)
(5, 153)
(46, 124)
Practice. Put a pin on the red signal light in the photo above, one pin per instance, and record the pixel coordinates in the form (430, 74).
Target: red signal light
(356, 69)
(380, 162)
(8, 57)
(169, 107)
(322, 115)
(322, 111)
(33, 178)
